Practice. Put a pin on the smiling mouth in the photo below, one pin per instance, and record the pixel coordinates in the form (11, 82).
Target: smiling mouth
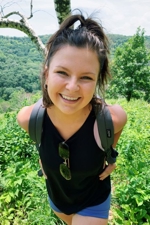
(69, 98)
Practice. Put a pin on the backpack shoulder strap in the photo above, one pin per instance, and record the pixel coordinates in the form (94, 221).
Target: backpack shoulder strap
(36, 122)
(105, 129)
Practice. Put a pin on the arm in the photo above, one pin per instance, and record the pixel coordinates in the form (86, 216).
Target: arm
(24, 116)
(42, 168)
(119, 118)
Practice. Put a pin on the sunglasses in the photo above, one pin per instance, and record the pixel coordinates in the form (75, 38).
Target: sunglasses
(65, 166)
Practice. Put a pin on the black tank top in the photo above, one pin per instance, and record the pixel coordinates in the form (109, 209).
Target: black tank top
(86, 163)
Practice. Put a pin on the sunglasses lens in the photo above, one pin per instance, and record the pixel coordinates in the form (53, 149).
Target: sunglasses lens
(63, 151)
(64, 167)
(65, 172)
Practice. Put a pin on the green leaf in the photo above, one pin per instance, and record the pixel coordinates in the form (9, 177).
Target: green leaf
(6, 222)
(19, 181)
(8, 199)
(139, 200)
(119, 214)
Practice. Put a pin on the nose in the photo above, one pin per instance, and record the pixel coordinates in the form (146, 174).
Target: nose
(72, 84)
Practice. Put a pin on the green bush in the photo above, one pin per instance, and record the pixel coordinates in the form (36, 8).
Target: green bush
(23, 197)
(19, 185)
(14, 142)
(131, 202)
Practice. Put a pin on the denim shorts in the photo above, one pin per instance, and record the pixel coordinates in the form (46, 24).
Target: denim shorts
(98, 211)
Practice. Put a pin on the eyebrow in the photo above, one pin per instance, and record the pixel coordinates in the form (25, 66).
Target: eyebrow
(64, 68)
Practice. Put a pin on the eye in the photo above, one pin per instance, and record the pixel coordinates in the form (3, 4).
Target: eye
(86, 78)
(62, 72)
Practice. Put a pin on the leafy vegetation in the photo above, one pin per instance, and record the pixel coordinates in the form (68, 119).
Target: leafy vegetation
(20, 66)
(131, 69)
(131, 201)
(23, 198)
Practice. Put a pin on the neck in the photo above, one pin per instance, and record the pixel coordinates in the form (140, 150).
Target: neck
(66, 124)
(56, 114)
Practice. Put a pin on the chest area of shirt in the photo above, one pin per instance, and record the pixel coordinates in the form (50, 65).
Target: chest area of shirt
(84, 154)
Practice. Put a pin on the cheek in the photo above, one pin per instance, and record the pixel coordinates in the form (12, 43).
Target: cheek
(54, 79)
(52, 82)
(54, 86)
(90, 89)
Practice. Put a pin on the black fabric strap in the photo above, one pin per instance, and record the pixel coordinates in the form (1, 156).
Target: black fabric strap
(105, 127)
(36, 122)
(106, 133)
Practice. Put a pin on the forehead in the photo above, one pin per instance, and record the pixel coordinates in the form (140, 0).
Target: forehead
(67, 54)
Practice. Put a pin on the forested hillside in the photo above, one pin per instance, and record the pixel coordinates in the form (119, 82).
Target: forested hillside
(117, 39)
(20, 63)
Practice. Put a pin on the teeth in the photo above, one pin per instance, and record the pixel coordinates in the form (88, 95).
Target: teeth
(69, 98)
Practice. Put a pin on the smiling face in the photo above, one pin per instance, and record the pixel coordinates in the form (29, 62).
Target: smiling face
(72, 78)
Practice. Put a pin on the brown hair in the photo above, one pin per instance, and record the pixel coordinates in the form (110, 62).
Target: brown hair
(88, 34)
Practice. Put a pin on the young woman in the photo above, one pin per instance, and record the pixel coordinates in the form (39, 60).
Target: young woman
(77, 177)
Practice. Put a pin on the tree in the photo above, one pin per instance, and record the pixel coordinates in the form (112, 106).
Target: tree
(131, 70)
(62, 8)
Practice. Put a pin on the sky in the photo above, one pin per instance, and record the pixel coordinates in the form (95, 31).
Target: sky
(116, 16)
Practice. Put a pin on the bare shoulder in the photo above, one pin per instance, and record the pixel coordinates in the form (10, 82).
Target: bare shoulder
(119, 117)
(24, 116)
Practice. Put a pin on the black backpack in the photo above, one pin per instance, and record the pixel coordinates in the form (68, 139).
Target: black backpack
(104, 130)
